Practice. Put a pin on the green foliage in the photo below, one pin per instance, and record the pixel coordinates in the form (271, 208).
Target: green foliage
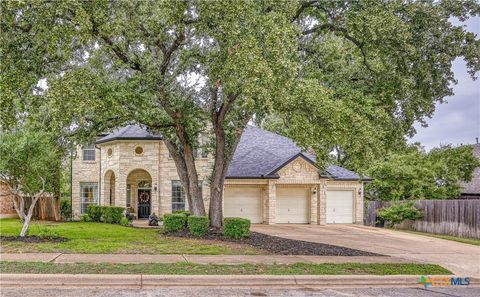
(95, 212)
(85, 218)
(30, 161)
(47, 233)
(198, 225)
(236, 227)
(65, 208)
(399, 212)
(185, 212)
(174, 222)
(415, 174)
(124, 222)
(112, 214)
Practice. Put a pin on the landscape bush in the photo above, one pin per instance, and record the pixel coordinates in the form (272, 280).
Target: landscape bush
(399, 212)
(124, 222)
(95, 212)
(236, 227)
(85, 218)
(65, 209)
(112, 214)
(174, 222)
(198, 225)
(185, 212)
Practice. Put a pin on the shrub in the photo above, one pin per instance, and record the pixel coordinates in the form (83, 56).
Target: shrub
(95, 212)
(174, 222)
(198, 225)
(399, 212)
(65, 209)
(85, 218)
(124, 222)
(112, 214)
(185, 212)
(236, 227)
(48, 233)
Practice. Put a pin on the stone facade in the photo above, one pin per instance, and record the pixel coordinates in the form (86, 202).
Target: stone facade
(122, 165)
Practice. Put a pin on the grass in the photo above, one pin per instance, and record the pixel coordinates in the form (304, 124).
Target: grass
(100, 238)
(473, 241)
(222, 269)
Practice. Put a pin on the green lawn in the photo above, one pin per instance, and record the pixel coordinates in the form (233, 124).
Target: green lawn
(473, 241)
(221, 269)
(107, 238)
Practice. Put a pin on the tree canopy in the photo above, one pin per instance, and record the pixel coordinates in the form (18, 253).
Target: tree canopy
(349, 76)
(416, 174)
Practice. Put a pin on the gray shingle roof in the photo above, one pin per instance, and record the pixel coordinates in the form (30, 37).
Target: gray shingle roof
(262, 153)
(130, 132)
(259, 154)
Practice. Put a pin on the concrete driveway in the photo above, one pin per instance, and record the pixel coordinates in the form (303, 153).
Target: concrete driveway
(460, 258)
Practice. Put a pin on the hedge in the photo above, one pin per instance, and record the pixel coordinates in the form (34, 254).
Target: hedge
(198, 225)
(174, 222)
(107, 214)
(236, 227)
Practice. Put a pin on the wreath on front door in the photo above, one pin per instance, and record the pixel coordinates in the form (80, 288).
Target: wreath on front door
(144, 197)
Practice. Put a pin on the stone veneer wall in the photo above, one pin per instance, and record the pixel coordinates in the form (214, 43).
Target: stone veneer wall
(83, 171)
(161, 168)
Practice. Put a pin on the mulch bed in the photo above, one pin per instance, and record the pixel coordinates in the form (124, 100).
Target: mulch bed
(281, 246)
(32, 239)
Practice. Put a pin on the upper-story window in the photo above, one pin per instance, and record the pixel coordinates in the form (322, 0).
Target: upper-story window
(89, 152)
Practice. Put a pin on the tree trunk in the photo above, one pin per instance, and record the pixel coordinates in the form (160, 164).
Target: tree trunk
(187, 172)
(223, 157)
(28, 217)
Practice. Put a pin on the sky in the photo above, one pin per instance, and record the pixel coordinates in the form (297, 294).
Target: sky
(457, 121)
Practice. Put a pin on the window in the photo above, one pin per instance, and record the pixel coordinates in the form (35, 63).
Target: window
(89, 152)
(139, 150)
(129, 195)
(178, 195)
(202, 150)
(88, 195)
(144, 184)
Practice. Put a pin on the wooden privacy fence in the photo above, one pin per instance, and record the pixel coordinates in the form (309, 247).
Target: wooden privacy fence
(450, 217)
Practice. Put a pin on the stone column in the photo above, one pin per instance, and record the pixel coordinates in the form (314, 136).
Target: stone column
(359, 204)
(271, 202)
(321, 203)
(313, 204)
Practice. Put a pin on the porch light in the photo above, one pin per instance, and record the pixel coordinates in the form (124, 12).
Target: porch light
(155, 187)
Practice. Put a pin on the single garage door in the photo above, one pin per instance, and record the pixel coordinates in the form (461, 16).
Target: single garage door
(292, 205)
(243, 202)
(339, 207)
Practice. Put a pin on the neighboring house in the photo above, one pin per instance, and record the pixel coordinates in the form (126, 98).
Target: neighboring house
(270, 180)
(471, 190)
(7, 209)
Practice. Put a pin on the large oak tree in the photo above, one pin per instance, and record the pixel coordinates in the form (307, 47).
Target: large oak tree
(347, 75)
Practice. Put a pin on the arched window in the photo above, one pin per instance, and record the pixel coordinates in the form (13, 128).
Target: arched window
(144, 184)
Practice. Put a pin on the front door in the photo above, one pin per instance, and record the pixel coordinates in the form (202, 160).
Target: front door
(144, 199)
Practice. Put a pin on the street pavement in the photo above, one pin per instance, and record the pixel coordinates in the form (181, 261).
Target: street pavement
(222, 292)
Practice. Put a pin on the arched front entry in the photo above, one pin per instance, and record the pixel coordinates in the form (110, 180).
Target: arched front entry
(109, 188)
(139, 192)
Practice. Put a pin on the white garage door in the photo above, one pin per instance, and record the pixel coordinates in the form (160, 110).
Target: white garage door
(339, 207)
(243, 202)
(292, 205)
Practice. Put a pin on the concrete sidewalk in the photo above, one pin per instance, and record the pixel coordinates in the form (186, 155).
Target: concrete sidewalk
(198, 259)
(230, 281)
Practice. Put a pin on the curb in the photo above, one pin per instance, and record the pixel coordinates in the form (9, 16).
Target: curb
(155, 281)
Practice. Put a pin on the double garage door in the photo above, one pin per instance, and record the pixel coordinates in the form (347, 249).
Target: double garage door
(246, 202)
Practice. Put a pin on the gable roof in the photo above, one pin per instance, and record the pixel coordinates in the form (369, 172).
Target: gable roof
(261, 154)
(130, 132)
(473, 187)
